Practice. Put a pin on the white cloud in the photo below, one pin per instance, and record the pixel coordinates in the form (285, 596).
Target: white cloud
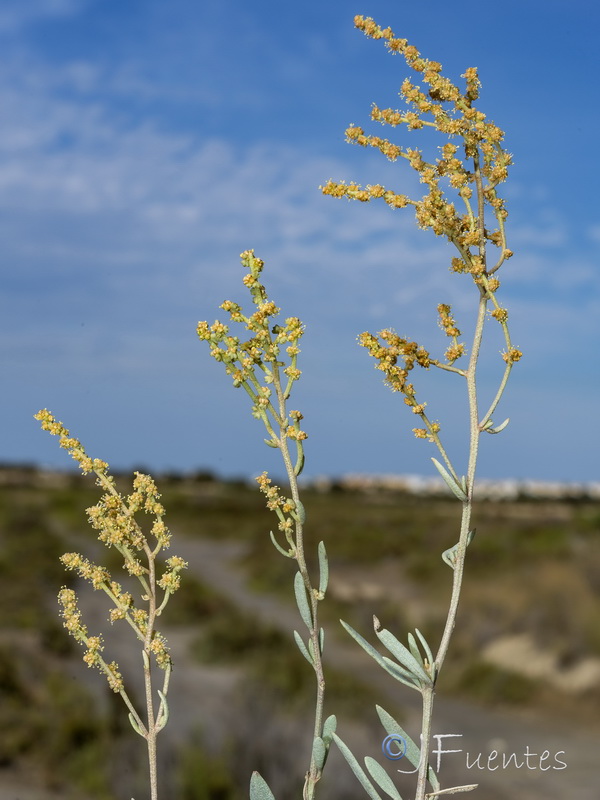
(17, 14)
(594, 233)
(152, 212)
(121, 235)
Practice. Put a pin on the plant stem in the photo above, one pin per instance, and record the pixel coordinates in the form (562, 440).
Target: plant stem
(467, 505)
(152, 732)
(314, 773)
(459, 563)
(428, 695)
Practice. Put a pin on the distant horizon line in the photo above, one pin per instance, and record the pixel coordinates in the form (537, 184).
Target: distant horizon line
(417, 484)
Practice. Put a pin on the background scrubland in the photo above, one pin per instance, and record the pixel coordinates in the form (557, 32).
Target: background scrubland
(526, 647)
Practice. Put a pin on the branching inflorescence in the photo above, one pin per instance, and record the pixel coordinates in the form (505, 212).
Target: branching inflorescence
(114, 517)
(471, 166)
(267, 374)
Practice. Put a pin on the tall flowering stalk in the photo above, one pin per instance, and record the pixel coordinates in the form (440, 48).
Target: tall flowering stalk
(114, 517)
(471, 166)
(265, 365)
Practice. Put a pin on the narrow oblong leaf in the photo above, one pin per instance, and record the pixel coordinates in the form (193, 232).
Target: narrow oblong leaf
(412, 646)
(498, 428)
(426, 647)
(329, 727)
(449, 555)
(381, 778)
(450, 482)
(259, 788)
(393, 669)
(136, 727)
(319, 752)
(283, 552)
(163, 712)
(402, 674)
(300, 512)
(299, 466)
(302, 601)
(323, 568)
(356, 768)
(413, 753)
(402, 654)
(302, 648)
(321, 639)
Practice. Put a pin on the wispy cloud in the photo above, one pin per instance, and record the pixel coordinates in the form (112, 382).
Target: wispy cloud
(121, 233)
(16, 14)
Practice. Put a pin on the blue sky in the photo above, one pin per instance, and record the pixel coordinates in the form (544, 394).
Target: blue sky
(145, 144)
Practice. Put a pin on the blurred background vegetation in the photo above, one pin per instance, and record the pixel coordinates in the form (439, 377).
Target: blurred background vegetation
(533, 581)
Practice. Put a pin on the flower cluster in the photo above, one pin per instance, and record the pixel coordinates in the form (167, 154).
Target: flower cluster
(284, 507)
(93, 656)
(72, 445)
(448, 325)
(444, 107)
(257, 363)
(387, 348)
(468, 179)
(512, 355)
(114, 517)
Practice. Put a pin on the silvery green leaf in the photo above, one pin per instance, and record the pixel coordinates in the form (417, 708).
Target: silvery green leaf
(136, 727)
(323, 568)
(393, 669)
(412, 646)
(450, 482)
(299, 466)
(381, 778)
(300, 512)
(259, 788)
(283, 552)
(356, 768)
(401, 674)
(413, 754)
(402, 654)
(302, 647)
(319, 752)
(449, 555)
(302, 601)
(271, 443)
(163, 712)
(498, 428)
(329, 727)
(426, 647)
(321, 639)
